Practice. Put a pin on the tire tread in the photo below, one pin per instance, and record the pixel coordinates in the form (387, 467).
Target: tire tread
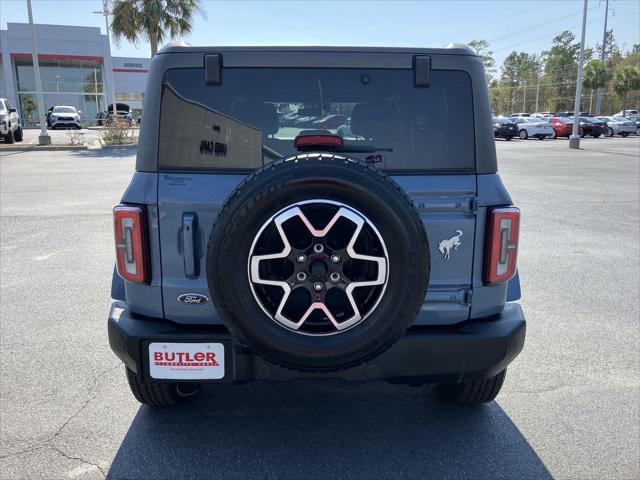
(473, 392)
(157, 394)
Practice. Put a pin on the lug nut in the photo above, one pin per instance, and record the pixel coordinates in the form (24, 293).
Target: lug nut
(301, 258)
(317, 287)
(335, 258)
(335, 277)
(301, 277)
(318, 248)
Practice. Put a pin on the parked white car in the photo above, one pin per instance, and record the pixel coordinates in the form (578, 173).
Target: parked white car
(619, 126)
(533, 127)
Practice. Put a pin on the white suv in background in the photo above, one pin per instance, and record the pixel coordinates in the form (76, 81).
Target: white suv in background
(63, 116)
(10, 128)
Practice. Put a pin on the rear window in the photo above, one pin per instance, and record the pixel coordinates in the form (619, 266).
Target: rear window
(254, 115)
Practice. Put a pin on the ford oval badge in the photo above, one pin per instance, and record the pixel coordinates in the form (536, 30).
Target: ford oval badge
(193, 298)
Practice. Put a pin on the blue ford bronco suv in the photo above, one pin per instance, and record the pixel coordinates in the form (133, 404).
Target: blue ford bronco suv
(255, 242)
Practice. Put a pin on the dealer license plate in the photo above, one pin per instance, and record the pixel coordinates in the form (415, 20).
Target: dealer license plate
(186, 361)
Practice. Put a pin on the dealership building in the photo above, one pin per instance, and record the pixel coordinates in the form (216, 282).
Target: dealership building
(75, 69)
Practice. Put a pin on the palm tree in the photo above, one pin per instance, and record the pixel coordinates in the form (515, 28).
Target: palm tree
(152, 20)
(626, 79)
(594, 76)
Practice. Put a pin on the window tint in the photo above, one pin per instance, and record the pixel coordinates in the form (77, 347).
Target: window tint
(258, 110)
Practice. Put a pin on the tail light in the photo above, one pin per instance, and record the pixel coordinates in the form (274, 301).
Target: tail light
(502, 244)
(131, 243)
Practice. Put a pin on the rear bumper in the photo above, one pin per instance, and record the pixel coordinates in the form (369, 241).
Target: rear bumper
(474, 349)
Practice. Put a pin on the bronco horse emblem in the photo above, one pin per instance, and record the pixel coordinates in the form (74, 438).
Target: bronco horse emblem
(445, 245)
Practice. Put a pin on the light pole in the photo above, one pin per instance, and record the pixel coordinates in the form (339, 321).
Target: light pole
(43, 138)
(574, 139)
(105, 12)
(602, 56)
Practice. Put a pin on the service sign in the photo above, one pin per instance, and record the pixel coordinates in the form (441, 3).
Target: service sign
(186, 361)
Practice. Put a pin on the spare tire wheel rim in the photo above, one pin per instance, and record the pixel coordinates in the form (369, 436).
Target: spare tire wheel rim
(317, 270)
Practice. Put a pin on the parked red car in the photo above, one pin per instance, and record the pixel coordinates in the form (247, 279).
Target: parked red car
(563, 126)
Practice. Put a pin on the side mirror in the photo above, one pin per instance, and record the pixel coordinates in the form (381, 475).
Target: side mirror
(13, 110)
(79, 112)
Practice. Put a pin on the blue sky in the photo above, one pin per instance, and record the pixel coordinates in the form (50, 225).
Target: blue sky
(524, 25)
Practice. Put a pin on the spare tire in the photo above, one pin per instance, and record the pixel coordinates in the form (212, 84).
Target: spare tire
(318, 262)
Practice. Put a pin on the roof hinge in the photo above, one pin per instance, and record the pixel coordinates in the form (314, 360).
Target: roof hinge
(422, 70)
(213, 68)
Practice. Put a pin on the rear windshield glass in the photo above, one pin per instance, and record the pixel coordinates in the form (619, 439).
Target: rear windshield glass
(255, 114)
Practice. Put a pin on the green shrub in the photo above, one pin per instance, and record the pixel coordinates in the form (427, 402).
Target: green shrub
(118, 132)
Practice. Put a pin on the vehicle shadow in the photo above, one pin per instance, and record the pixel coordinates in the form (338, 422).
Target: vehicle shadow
(324, 430)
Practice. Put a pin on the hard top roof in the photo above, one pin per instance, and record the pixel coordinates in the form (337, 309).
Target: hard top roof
(450, 49)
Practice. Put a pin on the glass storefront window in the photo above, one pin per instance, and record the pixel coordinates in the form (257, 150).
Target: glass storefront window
(29, 108)
(2, 87)
(64, 82)
(50, 75)
(24, 75)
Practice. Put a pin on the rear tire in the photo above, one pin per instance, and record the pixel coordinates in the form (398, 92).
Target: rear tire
(19, 135)
(625, 134)
(609, 132)
(554, 134)
(596, 135)
(159, 394)
(508, 139)
(9, 137)
(523, 134)
(540, 137)
(473, 392)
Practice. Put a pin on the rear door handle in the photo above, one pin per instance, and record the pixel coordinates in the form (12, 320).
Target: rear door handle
(189, 227)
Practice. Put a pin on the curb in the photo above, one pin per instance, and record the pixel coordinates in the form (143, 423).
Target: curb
(44, 148)
(127, 146)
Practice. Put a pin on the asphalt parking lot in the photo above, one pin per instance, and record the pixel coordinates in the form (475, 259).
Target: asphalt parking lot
(570, 407)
